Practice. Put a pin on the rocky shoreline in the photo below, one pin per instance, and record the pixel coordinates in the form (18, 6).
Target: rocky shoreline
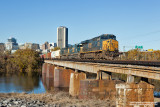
(59, 99)
(18, 102)
(56, 99)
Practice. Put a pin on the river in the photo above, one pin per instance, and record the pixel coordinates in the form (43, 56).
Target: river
(27, 84)
(21, 83)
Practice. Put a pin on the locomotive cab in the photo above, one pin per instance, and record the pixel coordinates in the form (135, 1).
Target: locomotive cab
(110, 44)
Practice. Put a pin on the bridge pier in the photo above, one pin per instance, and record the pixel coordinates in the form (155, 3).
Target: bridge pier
(75, 83)
(50, 77)
(44, 71)
(106, 76)
(99, 89)
(50, 71)
(130, 78)
(131, 95)
(61, 77)
(101, 75)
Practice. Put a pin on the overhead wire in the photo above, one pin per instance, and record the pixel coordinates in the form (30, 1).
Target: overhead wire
(144, 35)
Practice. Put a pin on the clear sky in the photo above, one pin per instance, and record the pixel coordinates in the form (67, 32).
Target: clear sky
(134, 22)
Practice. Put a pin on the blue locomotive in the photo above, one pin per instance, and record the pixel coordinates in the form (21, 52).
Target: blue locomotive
(104, 46)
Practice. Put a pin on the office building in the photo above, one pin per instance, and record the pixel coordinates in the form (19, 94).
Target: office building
(11, 44)
(33, 46)
(45, 46)
(48, 47)
(62, 37)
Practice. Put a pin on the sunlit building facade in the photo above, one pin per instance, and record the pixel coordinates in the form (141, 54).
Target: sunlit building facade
(62, 37)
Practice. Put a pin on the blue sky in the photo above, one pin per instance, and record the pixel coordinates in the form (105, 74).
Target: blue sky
(134, 22)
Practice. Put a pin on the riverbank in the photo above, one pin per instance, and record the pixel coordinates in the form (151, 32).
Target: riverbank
(56, 99)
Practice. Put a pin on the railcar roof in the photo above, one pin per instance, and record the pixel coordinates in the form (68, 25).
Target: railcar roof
(103, 35)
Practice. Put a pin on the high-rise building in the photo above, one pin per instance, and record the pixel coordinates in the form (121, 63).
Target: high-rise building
(11, 44)
(33, 46)
(62, 37)
(45, 46)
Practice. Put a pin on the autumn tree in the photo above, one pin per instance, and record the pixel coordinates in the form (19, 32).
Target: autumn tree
(27, 60)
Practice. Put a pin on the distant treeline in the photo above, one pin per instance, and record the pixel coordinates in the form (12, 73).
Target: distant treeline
(136, 54)
(22, 61)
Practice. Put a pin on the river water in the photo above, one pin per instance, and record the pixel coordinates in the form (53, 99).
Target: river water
(21, 83)
(27, 84)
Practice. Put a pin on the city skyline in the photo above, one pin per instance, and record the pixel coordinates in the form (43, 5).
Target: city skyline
(133, 22)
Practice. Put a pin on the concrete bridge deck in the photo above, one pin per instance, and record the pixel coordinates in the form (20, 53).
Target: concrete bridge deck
(132, 70)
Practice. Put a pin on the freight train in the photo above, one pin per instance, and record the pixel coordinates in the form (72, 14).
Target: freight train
(104, 47)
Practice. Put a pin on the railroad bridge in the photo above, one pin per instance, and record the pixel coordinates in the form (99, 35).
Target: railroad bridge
(73, 75)
(146, 72)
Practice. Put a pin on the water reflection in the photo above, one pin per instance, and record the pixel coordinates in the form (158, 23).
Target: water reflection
(49, 84)
(21, 83)
(27, 83)
(44, 80)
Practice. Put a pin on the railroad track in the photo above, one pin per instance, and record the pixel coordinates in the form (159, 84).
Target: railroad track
(124, 62)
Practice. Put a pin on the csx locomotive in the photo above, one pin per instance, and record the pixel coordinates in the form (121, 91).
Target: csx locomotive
(104, 46)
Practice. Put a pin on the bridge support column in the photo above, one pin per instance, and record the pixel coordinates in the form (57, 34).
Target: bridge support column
(50, 77)
(99, 89)
(99, 75)
(131, 94)
(61, 77)
(44, 71)
(130, 79)
(103, 75)
(75, 83)
(106, 76)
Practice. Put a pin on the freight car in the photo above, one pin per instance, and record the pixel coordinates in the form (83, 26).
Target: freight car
(104, 46)
(55, 54)
(49, 55)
